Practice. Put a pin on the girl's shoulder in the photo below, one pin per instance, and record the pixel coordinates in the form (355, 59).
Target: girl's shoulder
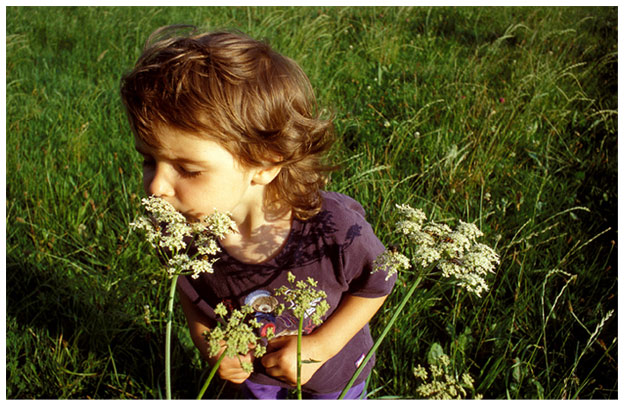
(341, 204)
(341, 221)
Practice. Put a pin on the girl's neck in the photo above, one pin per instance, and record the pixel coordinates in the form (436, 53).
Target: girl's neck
(258, 241)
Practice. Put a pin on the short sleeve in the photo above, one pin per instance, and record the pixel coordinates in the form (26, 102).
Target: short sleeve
(361, 248)
(358, 260)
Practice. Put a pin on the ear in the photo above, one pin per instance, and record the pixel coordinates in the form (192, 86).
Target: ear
(264, 176)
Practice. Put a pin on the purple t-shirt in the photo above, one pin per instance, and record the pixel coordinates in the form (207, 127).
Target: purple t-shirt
(336, 248)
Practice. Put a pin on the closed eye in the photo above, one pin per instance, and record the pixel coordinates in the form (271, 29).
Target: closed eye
(187, 173)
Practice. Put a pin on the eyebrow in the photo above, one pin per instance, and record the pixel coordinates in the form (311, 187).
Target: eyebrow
(142, 151)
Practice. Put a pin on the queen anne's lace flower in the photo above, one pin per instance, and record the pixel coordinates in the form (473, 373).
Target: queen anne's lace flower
(162, 210)
(454, 244)
(423, 238)
(391, 262)
(437, 230)
(411, 214)
(178, 263)
(426, 255)
(201, 265)
(455, 251)
(470, 230)
(441, 383)
(146, 226)
(304, 299)
(174, 235)
(412, 220)
(167, 229)
(218, 224)
(206, 245)
(236, 336)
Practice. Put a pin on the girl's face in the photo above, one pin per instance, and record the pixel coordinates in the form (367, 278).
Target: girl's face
(198, 176)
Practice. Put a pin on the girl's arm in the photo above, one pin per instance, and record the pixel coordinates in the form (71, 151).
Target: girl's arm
(326, 341)
(230, 368)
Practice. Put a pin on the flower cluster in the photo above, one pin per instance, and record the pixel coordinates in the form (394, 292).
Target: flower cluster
(237, 335)
(168, 231)
(456, 251)
(305, 300)
(391, 262)
(443, 384)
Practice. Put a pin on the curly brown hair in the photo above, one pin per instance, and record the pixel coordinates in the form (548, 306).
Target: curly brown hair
(258, 104)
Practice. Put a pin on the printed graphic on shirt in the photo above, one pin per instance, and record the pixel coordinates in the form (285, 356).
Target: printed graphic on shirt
(265, 306)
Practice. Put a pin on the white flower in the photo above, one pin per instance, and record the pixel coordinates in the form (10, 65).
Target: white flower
(147, 227)
(218, 224)
(437, 230)
(202, 265)
(408, 228)
(451, 269)
(173, 236)
(425, 255)
(235, 334)
(178, 263)
(420, 372)
(162, 210)
(441, 383)
(482, 259)
(454, 244)
(390, 262)
(206, 245)
(167, 228)
(412, 214)
(456, 252)
(470, 230)
(421, 238)
(304, 299)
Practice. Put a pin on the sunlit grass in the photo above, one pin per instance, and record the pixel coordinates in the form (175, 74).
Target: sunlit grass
(502, 116)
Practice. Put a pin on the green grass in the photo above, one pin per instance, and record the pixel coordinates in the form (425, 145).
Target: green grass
(502, 116)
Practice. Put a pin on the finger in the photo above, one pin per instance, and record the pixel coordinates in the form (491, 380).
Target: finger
(276, 343)
(277, 373)
(269, 360)
(277, 370)
(235, 376)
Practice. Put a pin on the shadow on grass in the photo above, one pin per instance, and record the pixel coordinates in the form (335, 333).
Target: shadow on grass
(66, 339)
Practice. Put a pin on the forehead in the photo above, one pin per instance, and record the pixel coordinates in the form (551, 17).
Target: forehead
(177, 145)
(161, 137)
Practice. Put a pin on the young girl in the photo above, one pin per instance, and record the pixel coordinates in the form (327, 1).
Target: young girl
(225, 123)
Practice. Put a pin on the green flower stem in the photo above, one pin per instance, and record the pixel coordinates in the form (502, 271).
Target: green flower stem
(214, 369)
(299, 334)
(174, 281)
(381, 337)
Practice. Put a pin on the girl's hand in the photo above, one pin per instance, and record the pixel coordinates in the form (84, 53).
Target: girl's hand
(230, 368)
(322, 344)
(281, 358)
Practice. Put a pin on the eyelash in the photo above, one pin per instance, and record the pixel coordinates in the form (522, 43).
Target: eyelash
(180, 169)
(188, 174)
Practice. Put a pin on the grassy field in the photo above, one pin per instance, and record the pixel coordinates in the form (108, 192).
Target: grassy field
(502, 116)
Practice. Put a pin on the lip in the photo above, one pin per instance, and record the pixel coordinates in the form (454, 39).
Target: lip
(189, 217)
(192, 217)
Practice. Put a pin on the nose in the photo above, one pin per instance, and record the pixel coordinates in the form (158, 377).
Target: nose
(156, 182)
